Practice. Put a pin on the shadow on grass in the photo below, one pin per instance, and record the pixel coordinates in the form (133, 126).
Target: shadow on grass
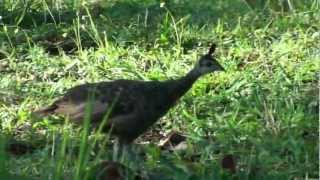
(201, 13)
(124, 22)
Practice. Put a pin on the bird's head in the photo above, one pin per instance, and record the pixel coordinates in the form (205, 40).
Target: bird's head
(208, 63)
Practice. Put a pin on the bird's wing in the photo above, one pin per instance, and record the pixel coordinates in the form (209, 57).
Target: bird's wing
(76, 109)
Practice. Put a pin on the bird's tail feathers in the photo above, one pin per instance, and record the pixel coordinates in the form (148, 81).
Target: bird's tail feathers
(43, 112)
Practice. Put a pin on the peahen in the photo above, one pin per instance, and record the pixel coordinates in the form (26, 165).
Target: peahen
(132, 106)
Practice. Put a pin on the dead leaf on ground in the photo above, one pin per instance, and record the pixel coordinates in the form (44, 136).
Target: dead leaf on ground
(228, 162)
(173, 142)
(151, 136)
(110, 170)
(19, 148)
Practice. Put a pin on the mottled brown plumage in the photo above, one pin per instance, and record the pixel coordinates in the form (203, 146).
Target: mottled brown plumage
(136, 105)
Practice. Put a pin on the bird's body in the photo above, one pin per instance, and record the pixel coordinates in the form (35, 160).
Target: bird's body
(134, 105)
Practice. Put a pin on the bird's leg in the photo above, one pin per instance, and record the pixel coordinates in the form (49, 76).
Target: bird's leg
(116, 147)
(121, 150)
(124, 152)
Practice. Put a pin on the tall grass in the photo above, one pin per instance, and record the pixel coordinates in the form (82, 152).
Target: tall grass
(262, 110)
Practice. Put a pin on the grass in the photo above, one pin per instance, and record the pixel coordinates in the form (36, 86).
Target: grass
(263, 110)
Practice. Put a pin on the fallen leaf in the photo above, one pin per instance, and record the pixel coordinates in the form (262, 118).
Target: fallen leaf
(228, 162)
(173, 142)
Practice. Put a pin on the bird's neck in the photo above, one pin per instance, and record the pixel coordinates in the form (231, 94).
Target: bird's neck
(184, 83)
(174, 89)
(190, 78)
